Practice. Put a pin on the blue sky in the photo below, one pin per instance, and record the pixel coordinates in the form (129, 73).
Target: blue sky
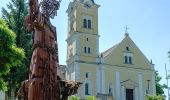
(148, 22)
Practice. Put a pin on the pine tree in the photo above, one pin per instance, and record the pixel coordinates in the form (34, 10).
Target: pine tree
(159, 87)
(14, 16)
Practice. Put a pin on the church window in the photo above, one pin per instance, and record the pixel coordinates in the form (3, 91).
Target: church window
(88, 49)
(87, 75)
(87, 39)
(85, 49)
(127, 48)
(84, 23)
(130, 60)
(126, 59)
(110, 88)
(89, 24)
(86, 89)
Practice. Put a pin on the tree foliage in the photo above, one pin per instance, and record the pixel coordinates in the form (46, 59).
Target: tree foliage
(74, 98)
(14, 16)
(10, 54)
(87, 98)
(159, 87)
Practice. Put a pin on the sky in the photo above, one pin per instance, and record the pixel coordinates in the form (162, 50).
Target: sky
(148, 22)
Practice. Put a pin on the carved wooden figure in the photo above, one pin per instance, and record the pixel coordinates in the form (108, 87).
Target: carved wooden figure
(43, 83)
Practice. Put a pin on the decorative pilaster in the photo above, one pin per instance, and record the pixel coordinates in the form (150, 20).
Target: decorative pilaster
(117, 85)
(136, 93)
(76, 71)
(103, 80)
(98, 79)
(140, 86)
(123, 93)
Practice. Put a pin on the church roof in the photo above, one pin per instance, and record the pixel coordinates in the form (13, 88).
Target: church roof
(108, 51)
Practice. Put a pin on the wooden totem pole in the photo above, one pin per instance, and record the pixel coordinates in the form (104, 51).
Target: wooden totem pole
(43, 82)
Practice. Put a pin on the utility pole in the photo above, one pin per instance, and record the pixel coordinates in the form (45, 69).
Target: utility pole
(167, 82)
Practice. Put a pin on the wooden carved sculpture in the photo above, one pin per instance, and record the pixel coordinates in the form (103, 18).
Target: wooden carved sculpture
(43, 83)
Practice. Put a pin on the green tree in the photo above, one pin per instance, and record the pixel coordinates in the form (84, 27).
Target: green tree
(159, 87)
(14, 16)
(10, 54)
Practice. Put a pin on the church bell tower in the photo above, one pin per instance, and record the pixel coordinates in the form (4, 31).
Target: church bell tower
(82, 39)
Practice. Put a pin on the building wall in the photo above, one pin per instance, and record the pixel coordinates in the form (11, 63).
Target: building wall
(2, 95)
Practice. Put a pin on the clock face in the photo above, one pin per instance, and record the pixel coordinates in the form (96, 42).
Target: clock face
(87, 5)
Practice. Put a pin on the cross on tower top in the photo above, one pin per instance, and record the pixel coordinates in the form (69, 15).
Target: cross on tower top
(126, 30)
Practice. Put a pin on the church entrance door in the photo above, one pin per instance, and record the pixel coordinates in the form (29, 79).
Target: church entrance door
(129, 94)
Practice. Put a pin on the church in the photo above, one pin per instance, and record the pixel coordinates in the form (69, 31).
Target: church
(121, 72)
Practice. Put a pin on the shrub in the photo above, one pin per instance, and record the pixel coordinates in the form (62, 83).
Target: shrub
(74, 98)
(157, 97)
(90, 98)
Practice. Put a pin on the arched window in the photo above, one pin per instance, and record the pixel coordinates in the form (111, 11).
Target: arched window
(86, 89)
(126, 59)
(85, 49)
(87, 39)
(85, 23)
(87, 75)
(89, 24)
(127, 48)
(130, 60)
(88, 49)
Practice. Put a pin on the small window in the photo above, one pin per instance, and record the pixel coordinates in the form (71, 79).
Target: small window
(127, 48)
(86, 89)
(85, 23)
(85, 49)
(87, 39)
(87, 75)
(89, 24)
(88, 49)
(130, 60)
(126, 59)
(110, 88)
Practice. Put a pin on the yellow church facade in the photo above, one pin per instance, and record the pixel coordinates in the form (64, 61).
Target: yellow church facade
(120, 73)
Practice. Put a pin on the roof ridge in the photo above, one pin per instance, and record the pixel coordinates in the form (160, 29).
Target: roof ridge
(108, 51)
